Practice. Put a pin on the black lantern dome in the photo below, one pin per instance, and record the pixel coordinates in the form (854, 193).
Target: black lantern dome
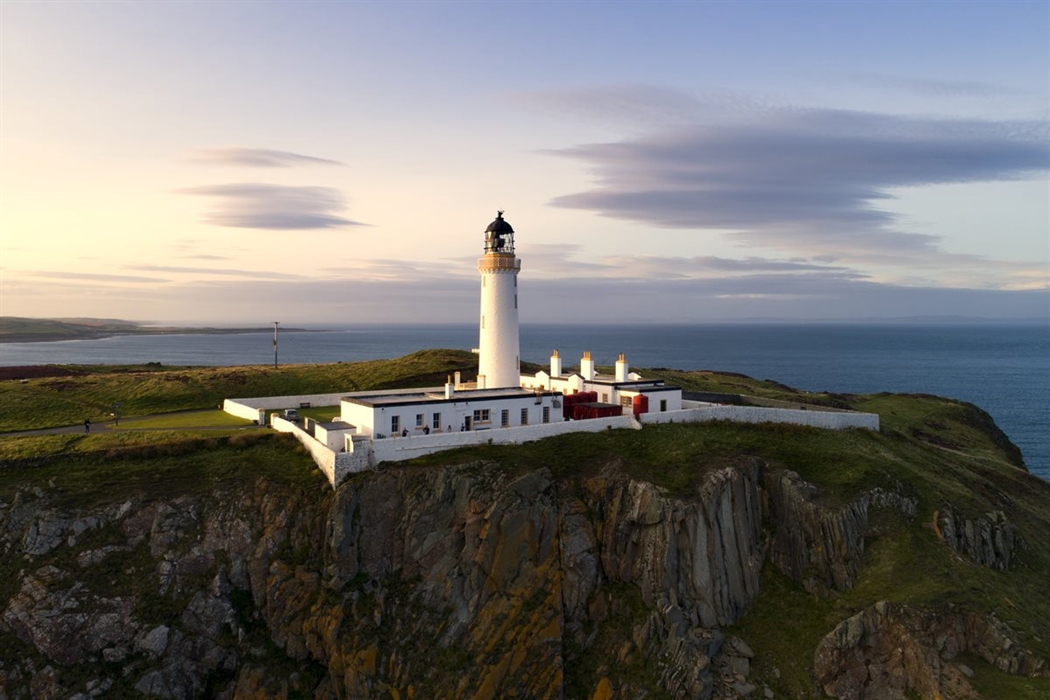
(499, 236)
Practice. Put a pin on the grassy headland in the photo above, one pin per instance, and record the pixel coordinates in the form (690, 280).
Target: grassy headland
(939, 451)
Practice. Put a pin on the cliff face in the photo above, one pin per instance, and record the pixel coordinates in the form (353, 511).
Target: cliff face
(459, 581)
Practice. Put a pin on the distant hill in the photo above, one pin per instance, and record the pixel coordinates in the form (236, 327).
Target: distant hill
(17, 329)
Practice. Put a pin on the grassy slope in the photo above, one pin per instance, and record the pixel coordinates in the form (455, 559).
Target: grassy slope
(939, 450)
(143, 390)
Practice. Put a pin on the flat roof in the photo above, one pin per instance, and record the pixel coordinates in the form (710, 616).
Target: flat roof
(410, 397)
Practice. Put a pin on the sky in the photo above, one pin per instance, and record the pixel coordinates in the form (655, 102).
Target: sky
(338, 162)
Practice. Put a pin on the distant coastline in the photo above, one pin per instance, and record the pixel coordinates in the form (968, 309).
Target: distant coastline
(15, 329)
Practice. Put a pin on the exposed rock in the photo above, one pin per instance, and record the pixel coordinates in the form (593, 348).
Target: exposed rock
(461, 578)
(819, 546)
(889, 650)
(989, 540)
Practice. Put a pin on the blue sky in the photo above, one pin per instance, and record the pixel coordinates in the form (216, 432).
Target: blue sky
(338, 162)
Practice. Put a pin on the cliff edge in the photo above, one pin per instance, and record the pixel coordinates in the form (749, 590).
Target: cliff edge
(686, 561)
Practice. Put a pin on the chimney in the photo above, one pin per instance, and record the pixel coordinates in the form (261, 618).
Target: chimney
(587, 367)
(481, 381)
(450, 388)
(621, 368)
(555, 365)
(458, 380)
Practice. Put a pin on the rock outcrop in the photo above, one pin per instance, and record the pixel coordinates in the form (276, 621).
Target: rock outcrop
(890, 650)
(989, 540)
(822, 546)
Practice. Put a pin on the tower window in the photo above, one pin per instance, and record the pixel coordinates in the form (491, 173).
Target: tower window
(515, 301)
(482, 320)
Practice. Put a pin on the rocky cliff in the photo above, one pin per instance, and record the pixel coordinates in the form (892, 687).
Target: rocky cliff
(470, 580)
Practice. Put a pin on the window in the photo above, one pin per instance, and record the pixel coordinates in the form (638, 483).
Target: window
(483, 320)
(436, 423)
(395, 424)
(605, 397)
(546, 414)
(663, 404)
(419, 420)
(515, 301)
(481, 415)
(626, 401)
(524, 416)
(504, 418)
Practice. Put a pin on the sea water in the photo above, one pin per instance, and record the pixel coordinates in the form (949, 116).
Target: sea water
(1003, 368)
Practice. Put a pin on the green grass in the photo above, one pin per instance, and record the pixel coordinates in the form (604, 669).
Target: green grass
(197, 419)
(91, 391)
(190, 465)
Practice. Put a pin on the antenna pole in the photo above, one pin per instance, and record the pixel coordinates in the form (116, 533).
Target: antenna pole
(275, 324)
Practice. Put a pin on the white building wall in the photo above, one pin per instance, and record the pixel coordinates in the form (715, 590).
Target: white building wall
(256, 408)
(498, 347)
(408, 448)
(378, 420)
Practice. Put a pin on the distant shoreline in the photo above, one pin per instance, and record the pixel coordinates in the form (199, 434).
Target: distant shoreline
(88, 334)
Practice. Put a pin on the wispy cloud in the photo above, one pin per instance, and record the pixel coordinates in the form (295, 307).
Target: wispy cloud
(256, 158)
(928, 86)
(275, 207)
(87, 276)
(222, 272)
(811, 181)
(204, 256)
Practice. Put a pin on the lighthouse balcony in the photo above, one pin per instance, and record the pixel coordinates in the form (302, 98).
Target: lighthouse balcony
(499, 262)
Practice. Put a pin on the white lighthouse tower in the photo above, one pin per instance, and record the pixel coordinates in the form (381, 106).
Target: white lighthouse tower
(498, 363)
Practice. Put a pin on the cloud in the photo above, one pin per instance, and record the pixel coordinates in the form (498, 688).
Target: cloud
(565, 300)
(929, 86)
(203, 256)
(89, 276)
(813, 181)
(257, 158)
(253, 274)
(275, 207)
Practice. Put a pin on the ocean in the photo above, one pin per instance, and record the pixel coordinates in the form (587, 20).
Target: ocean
(1003, 368)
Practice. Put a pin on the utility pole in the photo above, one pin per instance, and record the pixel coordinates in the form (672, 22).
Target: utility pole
(275, 324)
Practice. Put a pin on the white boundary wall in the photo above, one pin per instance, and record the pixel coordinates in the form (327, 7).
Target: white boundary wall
(699, 412)
(362, 452)
(334, 465)
(256, 408)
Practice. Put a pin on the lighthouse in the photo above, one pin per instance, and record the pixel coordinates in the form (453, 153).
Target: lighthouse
(498, 362)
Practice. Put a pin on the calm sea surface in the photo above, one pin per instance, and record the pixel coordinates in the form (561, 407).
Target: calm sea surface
(1004, 369)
